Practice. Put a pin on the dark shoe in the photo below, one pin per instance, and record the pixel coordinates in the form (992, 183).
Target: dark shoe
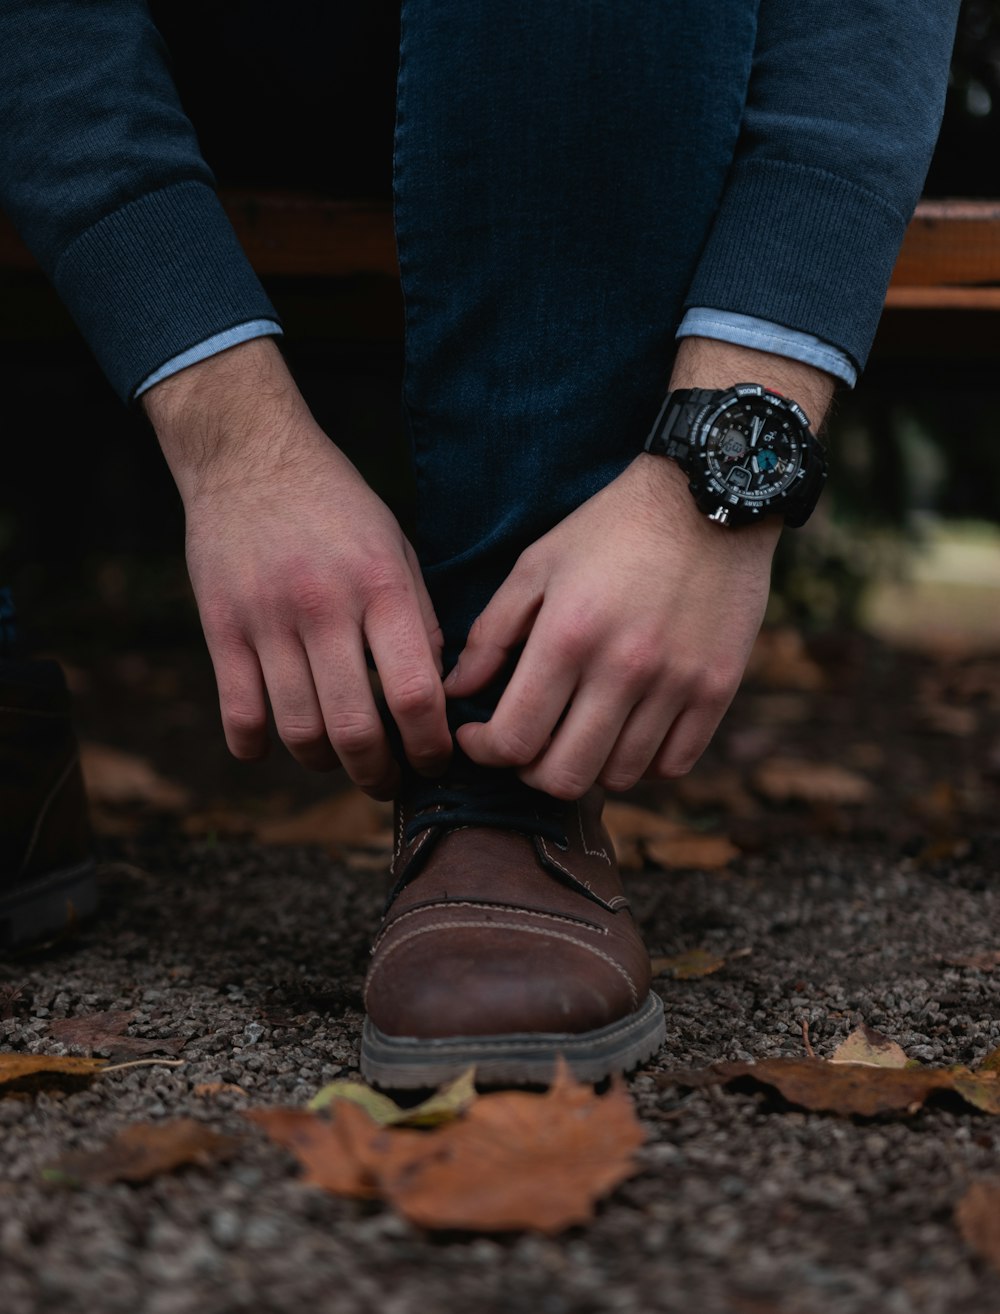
(507, 941)
(46, 867)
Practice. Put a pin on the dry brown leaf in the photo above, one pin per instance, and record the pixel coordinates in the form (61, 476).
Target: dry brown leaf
(34, 1072)
(855, 1088)
(107, 1031)
(351, 818)
(667, 843)
(978, 1217)
(870, 1048)
(339, 1155)
(798, 780)
(626, 822)
(692, 850)
(514, 1160)
(144, 1151)
(822, 1087)
(779, 659)
(118, 779)
(685, 967)
(523, 1161)
(722, 788)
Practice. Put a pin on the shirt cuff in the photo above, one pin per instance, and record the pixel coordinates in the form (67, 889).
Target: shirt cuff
(763, 335)
(231, 337)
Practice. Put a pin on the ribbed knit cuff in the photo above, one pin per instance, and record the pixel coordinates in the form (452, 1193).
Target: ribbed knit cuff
(804, 248)
(156, 277)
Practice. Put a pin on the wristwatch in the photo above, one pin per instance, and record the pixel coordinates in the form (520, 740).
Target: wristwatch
(747, 451)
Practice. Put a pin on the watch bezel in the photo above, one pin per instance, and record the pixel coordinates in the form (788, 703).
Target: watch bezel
(716, 499)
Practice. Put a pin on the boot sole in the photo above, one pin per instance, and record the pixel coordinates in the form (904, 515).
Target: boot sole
(41, 908)
(519, 1059)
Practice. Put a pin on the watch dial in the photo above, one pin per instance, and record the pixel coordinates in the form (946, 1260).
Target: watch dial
(753, 451)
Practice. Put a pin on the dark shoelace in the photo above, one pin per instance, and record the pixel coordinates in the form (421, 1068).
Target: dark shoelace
(491, 799)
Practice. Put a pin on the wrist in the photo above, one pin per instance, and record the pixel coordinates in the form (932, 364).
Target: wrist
(236, 415)
(707, 363)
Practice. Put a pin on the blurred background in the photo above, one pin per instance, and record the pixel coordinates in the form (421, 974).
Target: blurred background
(902, 564)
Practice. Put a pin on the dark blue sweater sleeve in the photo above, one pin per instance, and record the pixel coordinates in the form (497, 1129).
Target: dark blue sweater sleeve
(101, 172)
(842, 113)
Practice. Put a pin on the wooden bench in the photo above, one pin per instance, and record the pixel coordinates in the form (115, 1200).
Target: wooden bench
(943, 299)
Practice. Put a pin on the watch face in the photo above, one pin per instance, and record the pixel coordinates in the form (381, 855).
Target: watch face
(753, 450)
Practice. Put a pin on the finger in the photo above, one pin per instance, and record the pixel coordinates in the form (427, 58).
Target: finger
(297, 713)
(642, 736)
(529, 709)
(581, 745)
(401, 650)
(353, 725)
(435, 634)
(241, 698)
(685, 742)
(505, 622)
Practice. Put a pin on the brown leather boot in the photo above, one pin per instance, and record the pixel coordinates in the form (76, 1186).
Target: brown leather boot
(46, 866)
(507, 941)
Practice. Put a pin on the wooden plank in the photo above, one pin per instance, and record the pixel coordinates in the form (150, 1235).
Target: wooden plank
(950, 243)
(942, 298)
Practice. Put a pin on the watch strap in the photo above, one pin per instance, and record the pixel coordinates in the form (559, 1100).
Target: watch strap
(671, 433)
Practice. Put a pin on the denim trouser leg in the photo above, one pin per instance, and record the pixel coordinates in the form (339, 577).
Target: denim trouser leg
(557, 166)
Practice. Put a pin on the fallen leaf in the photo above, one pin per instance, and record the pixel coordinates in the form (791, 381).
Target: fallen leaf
(626, 822)
(519, 1160)
(350, 818)
(779, 659)
(692, 850)
(722, 788)
(847, 1088)
(34, 1072)
(514, 1160)
(978, 1217)
(797, 780)
(636, 831)
(106, 1031)
(9, 995)
(685, 967)
(870, 1048)
(443, 1106)
(337, 1155)
(118, 778)
(852, 1088)
(144, 1151)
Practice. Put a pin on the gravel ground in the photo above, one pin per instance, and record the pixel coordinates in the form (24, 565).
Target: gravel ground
(255, 956)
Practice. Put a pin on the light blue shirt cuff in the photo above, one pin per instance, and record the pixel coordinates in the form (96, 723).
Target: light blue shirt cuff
(762, 335)
(232, 337)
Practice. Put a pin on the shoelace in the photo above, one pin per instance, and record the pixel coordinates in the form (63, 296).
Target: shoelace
(501, 803)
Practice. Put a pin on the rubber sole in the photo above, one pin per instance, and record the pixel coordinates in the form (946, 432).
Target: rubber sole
(38, 909)
(523, 1059)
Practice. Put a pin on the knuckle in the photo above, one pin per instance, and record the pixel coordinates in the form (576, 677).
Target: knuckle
(678, 765)
(617, 780)
(353, 732)
(244, 722)
(301, 734)
(381, 580)
(638, 665)
(310, 599)
(414, 695)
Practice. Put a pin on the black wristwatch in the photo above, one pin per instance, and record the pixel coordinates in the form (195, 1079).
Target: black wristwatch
(747, 452)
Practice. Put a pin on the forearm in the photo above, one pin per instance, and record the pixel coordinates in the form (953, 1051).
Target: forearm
(236, 413)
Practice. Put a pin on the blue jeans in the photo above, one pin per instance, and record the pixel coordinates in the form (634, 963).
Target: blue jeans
(557, 167)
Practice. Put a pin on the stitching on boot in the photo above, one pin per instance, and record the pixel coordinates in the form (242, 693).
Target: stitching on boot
(501, 926)
(496, 907)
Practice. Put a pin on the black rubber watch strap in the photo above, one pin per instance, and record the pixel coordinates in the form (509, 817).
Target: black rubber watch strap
(671, 433)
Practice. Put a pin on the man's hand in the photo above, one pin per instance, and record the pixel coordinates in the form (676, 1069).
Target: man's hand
(298, 567)
(636, 613)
